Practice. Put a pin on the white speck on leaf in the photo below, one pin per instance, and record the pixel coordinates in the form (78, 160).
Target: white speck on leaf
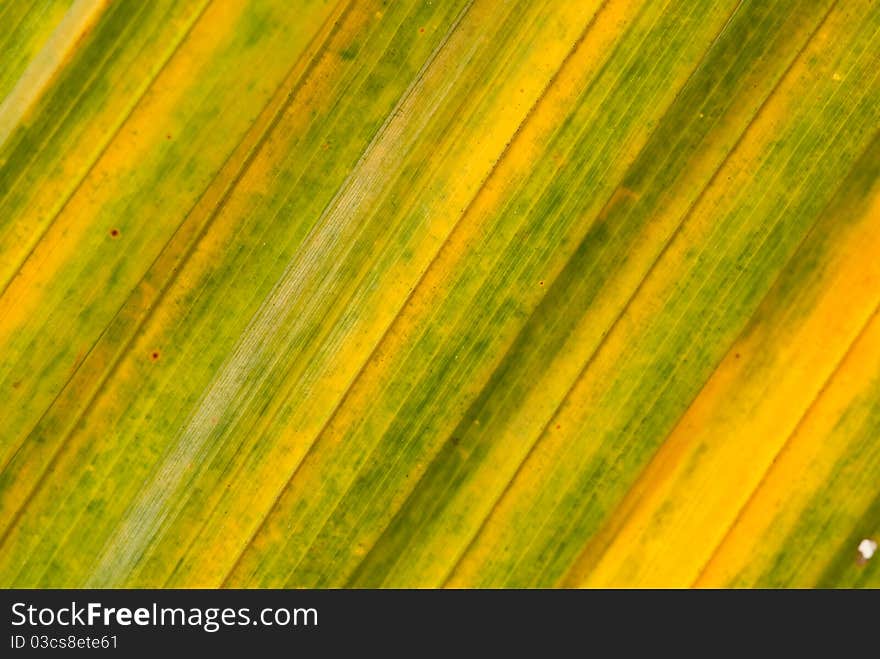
(867, 548)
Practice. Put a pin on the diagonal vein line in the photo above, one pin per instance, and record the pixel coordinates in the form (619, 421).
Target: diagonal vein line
(289, 92)
(580, 135)
(82, 89)
(282, 204)
(577, 44)
(275, 115)
(208, 513)
(79, 19)
(112, 137)
(70, 196)
(789, 441)
(810, 227)
(338, 503)
(465, 212)
(805, 236)
(805, 231)
(395, 111)
(378, 343)
(227, 391)
(601, 213)
(353, 527)
(588, 363)
(795, 431)
(639, 287)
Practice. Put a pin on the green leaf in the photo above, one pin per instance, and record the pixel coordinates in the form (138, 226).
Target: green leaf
(455, 293)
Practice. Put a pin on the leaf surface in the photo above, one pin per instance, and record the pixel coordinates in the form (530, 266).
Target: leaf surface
(466, 293)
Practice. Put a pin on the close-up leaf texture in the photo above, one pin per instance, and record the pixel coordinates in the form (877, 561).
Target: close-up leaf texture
(426, 293)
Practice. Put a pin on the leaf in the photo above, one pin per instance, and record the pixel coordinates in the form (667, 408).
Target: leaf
(423, 294)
